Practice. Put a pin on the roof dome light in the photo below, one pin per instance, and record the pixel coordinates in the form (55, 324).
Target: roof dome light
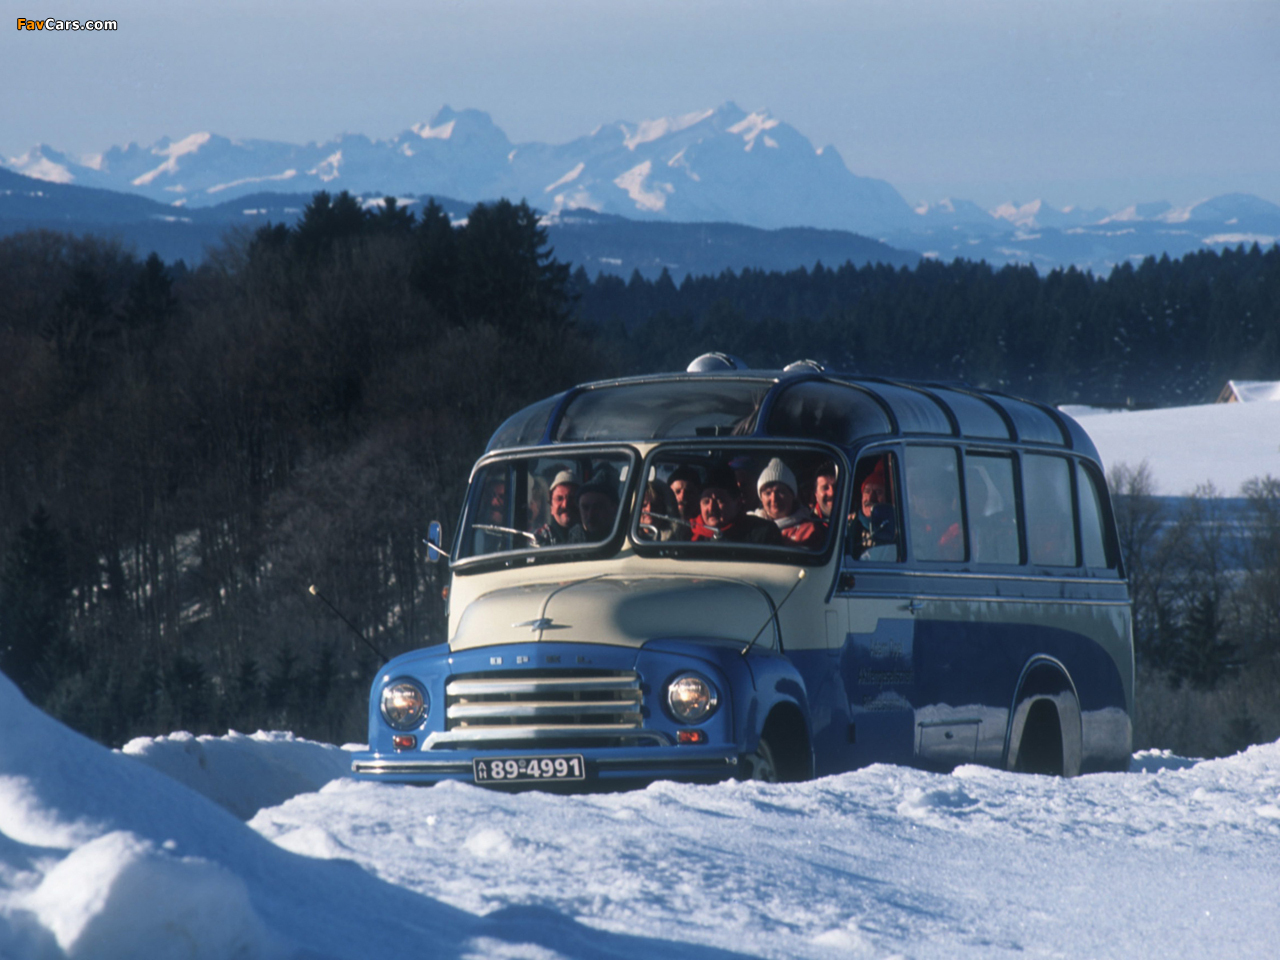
(711, 362)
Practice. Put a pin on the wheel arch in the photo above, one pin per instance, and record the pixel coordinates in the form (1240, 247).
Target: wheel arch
(787, 731)
(1029, 739)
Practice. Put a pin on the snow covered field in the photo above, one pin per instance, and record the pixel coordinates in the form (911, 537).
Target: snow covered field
(1222, 443)
(104, 856)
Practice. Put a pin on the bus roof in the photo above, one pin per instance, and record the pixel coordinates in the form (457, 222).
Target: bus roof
(847, 410)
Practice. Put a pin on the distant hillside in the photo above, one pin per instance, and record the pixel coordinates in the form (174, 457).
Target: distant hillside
(600, 243)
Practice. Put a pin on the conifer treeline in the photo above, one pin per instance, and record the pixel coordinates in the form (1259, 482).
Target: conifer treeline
(184, 452)
(1162, 333)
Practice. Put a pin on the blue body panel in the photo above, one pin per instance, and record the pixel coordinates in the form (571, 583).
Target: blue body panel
(867, 698)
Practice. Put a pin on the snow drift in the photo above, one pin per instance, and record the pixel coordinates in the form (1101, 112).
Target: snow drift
(103, 856)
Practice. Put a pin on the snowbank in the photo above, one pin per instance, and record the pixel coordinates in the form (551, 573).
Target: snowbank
(103, 857)
(242, 773)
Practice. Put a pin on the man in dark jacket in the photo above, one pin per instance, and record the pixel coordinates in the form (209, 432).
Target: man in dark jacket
(722, 516)
(564, 510)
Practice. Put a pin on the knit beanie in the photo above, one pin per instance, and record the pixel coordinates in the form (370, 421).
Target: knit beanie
(776, 471)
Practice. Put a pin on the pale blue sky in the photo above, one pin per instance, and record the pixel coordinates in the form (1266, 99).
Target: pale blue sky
(1082, 102)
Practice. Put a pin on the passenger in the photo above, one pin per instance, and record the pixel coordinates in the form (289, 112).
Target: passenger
(537, 503)
(564, 510)
(687, 488)
(495, 499)
(493, 512)
(935, 516)
(779, 503)
(746, 471)
(659, 514)
(824, 492)
(722, 517)
(598, 507)
(875, 531)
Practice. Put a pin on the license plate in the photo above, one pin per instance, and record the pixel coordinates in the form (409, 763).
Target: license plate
(529, 769)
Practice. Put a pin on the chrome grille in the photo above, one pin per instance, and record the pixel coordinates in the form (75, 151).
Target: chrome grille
(561, 708)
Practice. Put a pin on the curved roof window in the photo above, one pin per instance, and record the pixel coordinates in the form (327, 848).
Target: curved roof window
(977, 418)
(1032, 423)
(717, 407)
(526, 427)
(916, 412)
(827, 411)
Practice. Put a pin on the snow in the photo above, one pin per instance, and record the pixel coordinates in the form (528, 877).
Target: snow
(1235, 239)
(633, 181)
(219, 187)
(1252, 391)
(428, 132)
(567, 178)
(36, 165)
(1021, 215)
(103, 856)
(647, 131)
(173, 152)
(243, 773)
(327, 169)
(1220, 443)
(752, 125)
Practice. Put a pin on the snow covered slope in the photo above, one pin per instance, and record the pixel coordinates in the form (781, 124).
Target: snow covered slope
(1220, 443)
(103, 857)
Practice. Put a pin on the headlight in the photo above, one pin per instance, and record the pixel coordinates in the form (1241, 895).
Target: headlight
(691, 698)
(404, 704)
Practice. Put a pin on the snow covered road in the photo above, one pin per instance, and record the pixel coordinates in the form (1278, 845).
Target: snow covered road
(879, 862)
(103, 856)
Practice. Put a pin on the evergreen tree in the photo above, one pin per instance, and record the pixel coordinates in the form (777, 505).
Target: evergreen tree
(34, 593)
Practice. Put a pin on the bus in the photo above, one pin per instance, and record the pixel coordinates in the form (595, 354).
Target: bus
(772, 575)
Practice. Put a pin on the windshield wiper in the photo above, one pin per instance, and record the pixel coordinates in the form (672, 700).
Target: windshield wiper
(494, 528)
(679, 520)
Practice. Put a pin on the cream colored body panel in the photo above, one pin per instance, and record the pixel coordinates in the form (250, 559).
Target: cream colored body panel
(628, 600)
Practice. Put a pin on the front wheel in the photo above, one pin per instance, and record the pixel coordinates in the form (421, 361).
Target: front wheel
(760, 765)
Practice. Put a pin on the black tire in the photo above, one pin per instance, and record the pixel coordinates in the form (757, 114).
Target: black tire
(760, 765)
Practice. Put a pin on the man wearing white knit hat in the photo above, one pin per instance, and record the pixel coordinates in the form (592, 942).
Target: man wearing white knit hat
(779, 503)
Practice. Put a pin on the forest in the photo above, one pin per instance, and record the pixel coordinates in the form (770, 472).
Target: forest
(185, 452)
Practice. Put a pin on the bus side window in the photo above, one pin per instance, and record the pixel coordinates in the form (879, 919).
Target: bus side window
(993, 512)
(933, 499)
(874, 519)
(1092, 538)
(1046, 488)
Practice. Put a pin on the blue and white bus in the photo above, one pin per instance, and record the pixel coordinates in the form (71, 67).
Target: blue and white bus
(772, 575)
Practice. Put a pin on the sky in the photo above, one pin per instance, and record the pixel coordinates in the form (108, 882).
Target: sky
(1173, 859)
(1085, 103)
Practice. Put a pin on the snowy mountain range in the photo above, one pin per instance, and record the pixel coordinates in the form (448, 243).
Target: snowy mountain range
(723, 165)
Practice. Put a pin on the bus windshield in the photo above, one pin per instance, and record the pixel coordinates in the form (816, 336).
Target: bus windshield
(575, 503)
(571, 500)
(745, 497)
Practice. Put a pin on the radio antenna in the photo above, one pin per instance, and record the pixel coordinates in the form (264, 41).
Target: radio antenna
(776, 610)
(354, 629)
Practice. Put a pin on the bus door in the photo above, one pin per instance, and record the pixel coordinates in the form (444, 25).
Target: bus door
(877, 661)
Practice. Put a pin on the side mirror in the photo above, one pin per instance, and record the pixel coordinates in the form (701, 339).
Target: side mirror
(884, 525)
(435, 533)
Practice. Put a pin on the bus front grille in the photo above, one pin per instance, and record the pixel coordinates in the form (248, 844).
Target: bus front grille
(544, 708)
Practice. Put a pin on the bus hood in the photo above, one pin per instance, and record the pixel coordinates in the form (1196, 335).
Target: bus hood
(625, 611)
